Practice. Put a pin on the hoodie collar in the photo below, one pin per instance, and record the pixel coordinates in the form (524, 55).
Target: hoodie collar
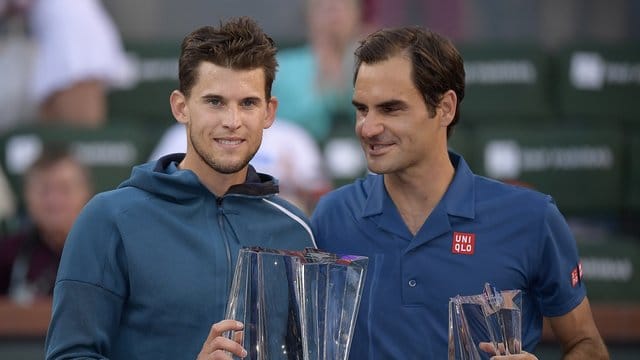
(164, 177)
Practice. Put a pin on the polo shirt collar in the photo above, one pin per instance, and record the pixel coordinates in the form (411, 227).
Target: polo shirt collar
(458, 200)
(376, 195)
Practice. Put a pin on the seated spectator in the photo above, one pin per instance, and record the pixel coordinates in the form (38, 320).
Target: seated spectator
(314, 82)
(7, 201)
(56, 187)
(72, 53)
(79, 55)
(287, 152)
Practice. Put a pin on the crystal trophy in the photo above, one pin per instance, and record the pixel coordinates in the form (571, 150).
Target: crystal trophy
(295, 304)
(493, 317)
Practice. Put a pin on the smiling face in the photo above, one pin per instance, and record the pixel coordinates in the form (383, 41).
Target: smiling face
(394, 125)
(225, 114)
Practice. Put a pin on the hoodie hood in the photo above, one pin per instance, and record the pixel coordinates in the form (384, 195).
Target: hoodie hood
(163, 178)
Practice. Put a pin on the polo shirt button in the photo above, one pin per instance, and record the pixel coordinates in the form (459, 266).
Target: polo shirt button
(412, 283)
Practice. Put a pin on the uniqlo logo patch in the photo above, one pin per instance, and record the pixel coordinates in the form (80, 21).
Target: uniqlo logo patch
(576, 275)
(463, 243)
(580, 270)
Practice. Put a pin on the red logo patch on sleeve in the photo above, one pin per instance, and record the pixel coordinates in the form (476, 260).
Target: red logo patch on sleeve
(576, 274)
(580, 270)
(463, 243)
(574, 277)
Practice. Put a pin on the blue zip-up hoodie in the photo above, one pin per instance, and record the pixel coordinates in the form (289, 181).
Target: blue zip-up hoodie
(147, 268)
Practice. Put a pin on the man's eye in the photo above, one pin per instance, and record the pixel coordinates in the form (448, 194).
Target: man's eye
(361, 110)
(248, 103)
(215, 102)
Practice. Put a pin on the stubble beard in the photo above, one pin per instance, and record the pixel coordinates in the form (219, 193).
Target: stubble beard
(228, 168)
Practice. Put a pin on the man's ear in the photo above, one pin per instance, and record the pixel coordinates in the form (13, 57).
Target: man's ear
(272, 106)
(447, 107)
(179, 106)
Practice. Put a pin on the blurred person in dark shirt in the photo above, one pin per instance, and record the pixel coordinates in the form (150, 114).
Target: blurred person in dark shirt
(56, 187)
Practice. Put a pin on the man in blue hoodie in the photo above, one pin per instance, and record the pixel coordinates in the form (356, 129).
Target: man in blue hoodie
(147, 267)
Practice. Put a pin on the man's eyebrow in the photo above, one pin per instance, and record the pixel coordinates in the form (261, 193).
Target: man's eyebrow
(212, 96)
(356, 103)
(220, 97)
(398, 104)
(253, 98)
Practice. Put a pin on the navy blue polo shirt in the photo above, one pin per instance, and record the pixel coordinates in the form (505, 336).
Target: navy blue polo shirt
(481, 231)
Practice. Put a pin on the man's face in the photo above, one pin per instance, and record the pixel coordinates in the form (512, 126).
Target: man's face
(393, 123)
(54, 197)
(225, 114)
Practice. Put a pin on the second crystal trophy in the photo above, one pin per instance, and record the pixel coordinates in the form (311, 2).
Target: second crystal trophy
(296, 304)
(493, 317)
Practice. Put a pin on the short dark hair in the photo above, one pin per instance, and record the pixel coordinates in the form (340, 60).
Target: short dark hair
(237, 44)
(437, 64)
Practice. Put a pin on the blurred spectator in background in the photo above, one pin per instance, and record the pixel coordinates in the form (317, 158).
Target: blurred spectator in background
(314, 83)
(7, 201)
(287, 152)
(62, 56)
(56, 187)
(443, 16)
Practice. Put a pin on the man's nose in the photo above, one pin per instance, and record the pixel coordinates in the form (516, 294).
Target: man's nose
(232, 119)
(370, 126)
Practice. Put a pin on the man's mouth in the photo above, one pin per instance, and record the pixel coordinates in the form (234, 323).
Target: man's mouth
(229, 142)
(379, 149)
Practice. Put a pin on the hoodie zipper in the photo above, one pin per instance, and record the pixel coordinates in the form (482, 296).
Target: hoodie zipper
(225, 240)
